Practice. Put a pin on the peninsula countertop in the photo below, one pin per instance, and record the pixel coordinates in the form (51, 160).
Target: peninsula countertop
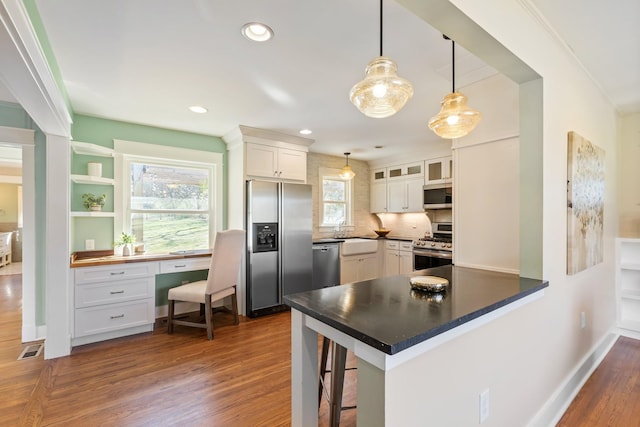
(389, 316)
(106, 257)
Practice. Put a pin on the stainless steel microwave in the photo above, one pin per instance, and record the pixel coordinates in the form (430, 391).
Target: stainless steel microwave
(438, 196)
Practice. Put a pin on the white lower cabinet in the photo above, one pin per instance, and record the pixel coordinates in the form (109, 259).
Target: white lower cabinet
(398, 258)
(355, 268)
(111, 317)
(113, 301)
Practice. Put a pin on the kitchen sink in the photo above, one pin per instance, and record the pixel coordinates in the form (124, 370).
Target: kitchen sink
(359, 246)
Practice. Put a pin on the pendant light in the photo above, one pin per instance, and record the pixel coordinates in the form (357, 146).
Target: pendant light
(346, 172)
(455, 119)
(382, 93)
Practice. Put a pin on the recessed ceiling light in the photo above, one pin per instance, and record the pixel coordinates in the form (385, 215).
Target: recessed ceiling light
(257, 32)
(198, 109)
(306, 131)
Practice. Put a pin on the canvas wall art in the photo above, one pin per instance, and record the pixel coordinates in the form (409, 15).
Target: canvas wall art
(585, 204)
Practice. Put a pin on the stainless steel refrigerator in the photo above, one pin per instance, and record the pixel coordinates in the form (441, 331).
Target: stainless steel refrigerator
(279, 243)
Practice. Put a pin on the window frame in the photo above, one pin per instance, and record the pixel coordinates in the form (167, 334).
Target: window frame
(127, 152)
(334, 174)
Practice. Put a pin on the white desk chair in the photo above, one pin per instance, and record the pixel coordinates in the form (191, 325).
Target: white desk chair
(221, 282)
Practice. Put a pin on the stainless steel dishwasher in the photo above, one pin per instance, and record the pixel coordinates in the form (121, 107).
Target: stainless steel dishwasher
(326, 265)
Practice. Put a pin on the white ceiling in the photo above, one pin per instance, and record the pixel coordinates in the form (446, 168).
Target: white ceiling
(146, 61)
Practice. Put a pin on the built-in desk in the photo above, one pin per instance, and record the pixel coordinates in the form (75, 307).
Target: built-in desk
(114, 296)
(387, 325)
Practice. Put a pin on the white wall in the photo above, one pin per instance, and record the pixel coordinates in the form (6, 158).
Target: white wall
(487, 180)
(531, 358)
(629, 176)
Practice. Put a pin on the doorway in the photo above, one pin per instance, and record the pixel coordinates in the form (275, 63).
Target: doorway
(17, 146)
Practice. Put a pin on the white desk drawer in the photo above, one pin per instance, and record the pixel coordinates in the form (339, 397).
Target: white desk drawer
(115, 272)
(90, 294)
(185, 264)
(105, 318)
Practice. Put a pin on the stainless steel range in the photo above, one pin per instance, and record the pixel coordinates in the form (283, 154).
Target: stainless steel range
(434, 250)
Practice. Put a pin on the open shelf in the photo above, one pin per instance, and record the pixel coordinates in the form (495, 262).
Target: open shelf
(93, 214)
(86, 179)
(626, 265)
(87, 149)
(630, 294)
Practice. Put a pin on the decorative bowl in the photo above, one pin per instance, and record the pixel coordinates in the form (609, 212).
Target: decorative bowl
(429, 283)
(382, 233)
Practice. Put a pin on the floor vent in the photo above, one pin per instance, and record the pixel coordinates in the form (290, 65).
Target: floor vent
(31, 351)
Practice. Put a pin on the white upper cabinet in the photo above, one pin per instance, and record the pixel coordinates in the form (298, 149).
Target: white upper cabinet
(439, 170)
(378, 194)
(405, 195)
(409, 170)
(276, 162)
(404, 188)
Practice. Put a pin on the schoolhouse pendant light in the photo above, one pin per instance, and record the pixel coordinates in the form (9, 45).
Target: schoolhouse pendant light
(346, 172)
(455, 118)
(382, 93)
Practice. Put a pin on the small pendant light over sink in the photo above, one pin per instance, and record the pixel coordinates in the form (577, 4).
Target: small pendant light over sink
(346, 172)
(455, 119)
(382, 93)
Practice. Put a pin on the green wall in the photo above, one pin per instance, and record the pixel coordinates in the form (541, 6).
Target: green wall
(13, 115)
(102, 132)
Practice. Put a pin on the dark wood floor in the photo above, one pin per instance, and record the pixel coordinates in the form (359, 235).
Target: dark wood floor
(241, 378)
(611, 396)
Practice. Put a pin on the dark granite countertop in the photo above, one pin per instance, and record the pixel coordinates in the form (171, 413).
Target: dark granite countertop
(389, 316)
(342, 239)
(327, 240)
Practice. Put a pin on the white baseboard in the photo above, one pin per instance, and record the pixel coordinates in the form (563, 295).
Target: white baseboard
(555, 407)
(33, 333)
(629, 333)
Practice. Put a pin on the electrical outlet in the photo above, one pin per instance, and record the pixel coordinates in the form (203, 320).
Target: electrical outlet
(89, 245)
(583, 320)
(484, 406)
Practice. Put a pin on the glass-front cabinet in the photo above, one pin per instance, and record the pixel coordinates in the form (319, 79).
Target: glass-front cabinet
(439, 170)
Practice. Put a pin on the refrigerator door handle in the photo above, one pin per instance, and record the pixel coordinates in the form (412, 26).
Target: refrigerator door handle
(281, 244)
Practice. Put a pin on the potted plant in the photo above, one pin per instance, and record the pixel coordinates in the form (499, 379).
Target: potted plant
(126, 241)
(93, 202)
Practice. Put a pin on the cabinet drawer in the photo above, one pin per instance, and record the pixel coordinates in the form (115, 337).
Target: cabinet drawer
(187, 264)
(115, 272)
(87, 295)
(406, 246)
(392, 244)
(105, 318)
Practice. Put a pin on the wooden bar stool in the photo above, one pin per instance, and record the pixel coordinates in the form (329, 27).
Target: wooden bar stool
(338, 368)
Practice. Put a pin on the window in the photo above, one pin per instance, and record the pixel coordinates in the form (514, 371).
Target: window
(335, 205)
(171, 202)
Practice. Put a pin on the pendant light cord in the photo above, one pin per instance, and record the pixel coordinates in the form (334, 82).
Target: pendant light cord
(453, 66)
(380, 27)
